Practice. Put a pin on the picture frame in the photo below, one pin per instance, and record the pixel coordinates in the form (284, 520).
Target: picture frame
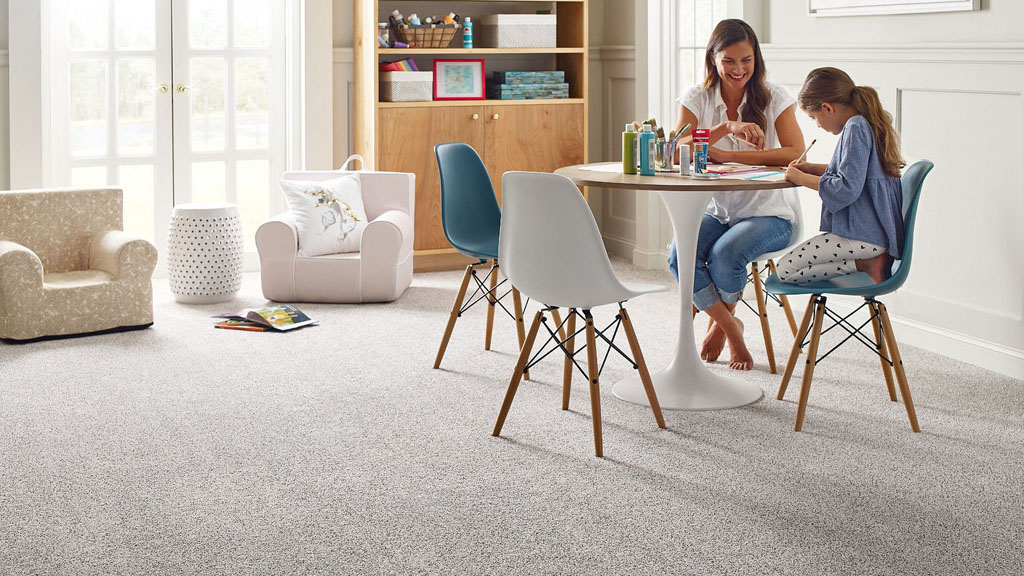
(883, 7)
(459, 79)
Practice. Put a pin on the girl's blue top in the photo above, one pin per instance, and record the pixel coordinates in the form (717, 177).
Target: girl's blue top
(859, 200)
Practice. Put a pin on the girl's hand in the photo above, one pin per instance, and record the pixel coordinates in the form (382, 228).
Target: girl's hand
(793, 174)
(748, 131)
(801, 166)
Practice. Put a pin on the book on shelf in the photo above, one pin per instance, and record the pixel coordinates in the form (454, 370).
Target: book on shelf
(279, 318)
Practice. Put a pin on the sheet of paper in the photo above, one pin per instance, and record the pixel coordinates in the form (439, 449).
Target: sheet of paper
(613, 167)
(757, 175)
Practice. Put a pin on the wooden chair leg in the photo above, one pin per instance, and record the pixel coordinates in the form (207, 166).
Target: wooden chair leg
(762, 312)
(517, 303)
(897, 362)
(593, 368)
(513, 385)
(492, 299)
(454, 316)
(785, 301)
(570, 346)
(794, 353)
(812, 356)
(645, 375)
(882, 349)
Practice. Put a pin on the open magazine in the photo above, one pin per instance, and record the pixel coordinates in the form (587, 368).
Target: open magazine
(280, 318)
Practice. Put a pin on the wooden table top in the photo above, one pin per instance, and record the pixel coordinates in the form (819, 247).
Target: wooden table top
(664, 181)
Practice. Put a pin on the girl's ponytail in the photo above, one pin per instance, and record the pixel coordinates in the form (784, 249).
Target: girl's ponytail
(835, 86)
(865, 101)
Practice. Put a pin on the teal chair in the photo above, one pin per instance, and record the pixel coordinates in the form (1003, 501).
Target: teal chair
(857, 284)
(472, 220)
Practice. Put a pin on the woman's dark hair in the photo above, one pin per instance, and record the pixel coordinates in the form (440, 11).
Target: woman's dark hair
(834, 86)
(727, 33)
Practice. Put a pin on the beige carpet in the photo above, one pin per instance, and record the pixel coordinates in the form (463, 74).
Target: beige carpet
(338, 450)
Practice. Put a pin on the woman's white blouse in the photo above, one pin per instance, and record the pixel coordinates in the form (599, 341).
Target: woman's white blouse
(710, 110)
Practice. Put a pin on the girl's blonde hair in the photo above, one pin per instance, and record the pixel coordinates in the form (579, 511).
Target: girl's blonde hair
(834, 86)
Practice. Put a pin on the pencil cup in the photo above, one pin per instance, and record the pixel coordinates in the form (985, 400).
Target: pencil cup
(665, 152)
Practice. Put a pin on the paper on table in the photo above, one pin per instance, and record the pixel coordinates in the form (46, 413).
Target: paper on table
(612, 167)
(762, 175)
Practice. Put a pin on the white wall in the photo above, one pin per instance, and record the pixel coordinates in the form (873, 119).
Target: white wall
(998, 21)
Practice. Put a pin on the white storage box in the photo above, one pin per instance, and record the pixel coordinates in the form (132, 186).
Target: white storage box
(403, 86)
(518, 31)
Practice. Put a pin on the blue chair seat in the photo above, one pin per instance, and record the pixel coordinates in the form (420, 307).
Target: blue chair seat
(856, 284)
(482, 248)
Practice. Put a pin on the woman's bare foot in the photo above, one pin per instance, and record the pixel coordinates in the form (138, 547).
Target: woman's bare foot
(741, 358)
(714, 343)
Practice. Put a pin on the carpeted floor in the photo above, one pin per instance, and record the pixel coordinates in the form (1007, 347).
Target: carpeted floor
(337, 449)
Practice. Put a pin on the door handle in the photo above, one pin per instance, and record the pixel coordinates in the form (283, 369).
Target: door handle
(182, 88)
(163, 88)
(495, 117)
(476, 116)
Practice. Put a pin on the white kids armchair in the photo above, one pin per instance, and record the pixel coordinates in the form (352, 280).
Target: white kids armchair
(379, 272)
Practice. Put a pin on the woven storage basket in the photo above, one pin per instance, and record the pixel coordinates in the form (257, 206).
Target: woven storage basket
(402, 86)
(427, 35)
(518, 31)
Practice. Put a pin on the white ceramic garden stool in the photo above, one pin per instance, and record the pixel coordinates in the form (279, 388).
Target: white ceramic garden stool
(204, 253)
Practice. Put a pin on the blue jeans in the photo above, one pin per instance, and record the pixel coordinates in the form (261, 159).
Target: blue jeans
(724, 253)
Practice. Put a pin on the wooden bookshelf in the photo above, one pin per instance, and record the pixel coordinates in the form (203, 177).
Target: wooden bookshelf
(537, 135)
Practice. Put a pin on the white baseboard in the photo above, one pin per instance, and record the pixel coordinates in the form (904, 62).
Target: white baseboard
(981, 353)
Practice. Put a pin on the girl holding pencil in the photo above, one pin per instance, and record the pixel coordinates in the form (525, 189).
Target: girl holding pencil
(754, 122)
(860, 188)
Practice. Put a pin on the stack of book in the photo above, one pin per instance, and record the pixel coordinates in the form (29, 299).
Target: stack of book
(527, 85)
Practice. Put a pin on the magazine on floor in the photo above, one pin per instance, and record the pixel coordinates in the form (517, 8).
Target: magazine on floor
(280, 318)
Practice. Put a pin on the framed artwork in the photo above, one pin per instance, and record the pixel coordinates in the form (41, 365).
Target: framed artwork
(458, 79)
(876, 7)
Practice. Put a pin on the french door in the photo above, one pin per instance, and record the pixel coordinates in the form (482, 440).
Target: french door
(175, 101)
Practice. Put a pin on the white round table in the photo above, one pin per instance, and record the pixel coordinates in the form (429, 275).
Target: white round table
(686, 383)
(204, 253)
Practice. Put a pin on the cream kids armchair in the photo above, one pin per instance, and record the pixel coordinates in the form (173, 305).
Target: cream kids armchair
(67, 268)
(379, 272)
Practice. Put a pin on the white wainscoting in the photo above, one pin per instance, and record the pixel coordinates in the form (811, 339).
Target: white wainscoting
(613, 104)
(962, 107)
(5, 121)
(343, 78)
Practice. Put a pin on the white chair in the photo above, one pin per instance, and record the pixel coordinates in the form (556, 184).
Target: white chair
(792, 196)
(551, 249)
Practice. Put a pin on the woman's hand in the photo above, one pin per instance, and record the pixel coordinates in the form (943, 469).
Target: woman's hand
(718, 156)
(747, 131)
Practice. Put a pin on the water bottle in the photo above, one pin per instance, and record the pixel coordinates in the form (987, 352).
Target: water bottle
(467, 32)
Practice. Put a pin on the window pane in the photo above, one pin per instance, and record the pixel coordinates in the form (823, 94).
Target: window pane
(208, 182)
(89, 177)
(135, 24)
(687, 71)
(252, 107)
(88, 107)
(207, 23)
(252, 18)
(135, 94)
(87, 28)
(686, 23)
(720, 9)
(137, 183)
(705, 21)
(209, 86)
(253, 197)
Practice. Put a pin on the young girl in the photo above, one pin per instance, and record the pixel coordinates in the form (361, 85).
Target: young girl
(860, 189)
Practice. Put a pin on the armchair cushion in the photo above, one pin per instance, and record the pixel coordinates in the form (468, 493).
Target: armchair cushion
(329, 215)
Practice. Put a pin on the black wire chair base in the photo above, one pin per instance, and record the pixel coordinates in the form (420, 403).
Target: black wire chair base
(560, 343)
(483, 292)
(853, 331)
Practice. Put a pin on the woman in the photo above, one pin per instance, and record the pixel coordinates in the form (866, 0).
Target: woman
(753, 122)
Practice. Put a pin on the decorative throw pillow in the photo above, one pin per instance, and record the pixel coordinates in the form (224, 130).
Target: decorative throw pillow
(329, 215)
